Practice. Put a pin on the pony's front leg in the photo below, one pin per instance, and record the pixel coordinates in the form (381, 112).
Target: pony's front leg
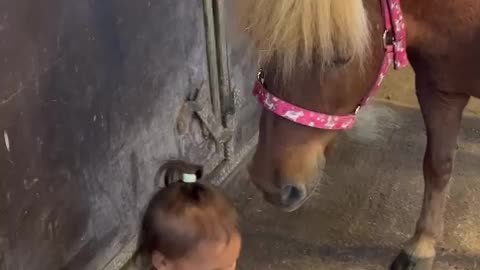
(442, 114)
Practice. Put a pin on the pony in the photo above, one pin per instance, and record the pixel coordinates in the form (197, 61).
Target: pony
(323, 56)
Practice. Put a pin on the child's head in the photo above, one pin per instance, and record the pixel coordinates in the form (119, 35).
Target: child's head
(189, 226)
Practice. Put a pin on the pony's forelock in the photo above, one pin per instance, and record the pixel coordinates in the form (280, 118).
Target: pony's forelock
(299, 33)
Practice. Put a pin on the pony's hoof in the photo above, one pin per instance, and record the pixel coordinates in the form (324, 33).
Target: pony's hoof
(407, 262)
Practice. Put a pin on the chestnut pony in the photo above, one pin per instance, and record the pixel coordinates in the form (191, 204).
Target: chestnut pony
(324, 56)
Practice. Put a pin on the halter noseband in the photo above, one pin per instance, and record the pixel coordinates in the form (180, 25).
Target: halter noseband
(395, 41)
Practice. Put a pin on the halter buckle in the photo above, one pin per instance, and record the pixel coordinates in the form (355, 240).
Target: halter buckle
(261, 76)
(388, 38)
(357, 109)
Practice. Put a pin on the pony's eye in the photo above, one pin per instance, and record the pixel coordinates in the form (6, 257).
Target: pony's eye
(341, 61)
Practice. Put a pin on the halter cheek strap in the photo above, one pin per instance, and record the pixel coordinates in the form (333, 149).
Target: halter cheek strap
(395, 44)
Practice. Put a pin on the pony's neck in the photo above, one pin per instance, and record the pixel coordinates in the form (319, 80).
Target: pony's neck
(413, 12)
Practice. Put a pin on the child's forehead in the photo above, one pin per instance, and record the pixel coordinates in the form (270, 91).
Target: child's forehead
(217, 254)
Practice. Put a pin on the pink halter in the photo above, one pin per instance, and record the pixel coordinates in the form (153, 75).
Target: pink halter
(395, 42)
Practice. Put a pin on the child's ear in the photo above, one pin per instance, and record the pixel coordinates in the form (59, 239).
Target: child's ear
(159, 261)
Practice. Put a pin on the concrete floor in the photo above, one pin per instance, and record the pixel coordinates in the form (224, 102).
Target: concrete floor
(368, 204)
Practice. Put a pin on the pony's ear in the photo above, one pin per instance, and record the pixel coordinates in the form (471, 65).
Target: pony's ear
(159, 262)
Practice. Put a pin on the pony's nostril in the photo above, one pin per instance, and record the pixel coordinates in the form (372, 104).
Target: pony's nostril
(292, 194)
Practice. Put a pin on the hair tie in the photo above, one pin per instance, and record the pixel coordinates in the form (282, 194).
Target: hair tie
(189, 178)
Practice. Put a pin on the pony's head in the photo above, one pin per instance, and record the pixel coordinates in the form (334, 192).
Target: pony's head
(315, 55)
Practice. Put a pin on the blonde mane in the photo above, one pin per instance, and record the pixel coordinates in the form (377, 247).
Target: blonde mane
(303, 32)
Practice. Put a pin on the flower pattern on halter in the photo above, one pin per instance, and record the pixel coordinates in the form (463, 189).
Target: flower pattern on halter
(300, 115)
(395, 53)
